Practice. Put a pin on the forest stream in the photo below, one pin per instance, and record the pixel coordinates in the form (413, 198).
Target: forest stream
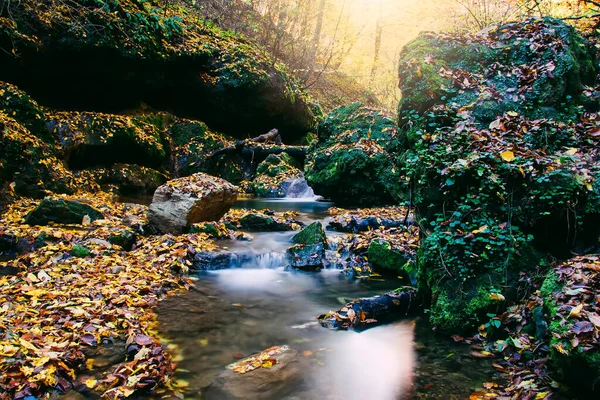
(232, 313)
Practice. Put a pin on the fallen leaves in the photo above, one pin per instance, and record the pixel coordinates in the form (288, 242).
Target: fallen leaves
(60, 305)
(507, 156)
(265, 359)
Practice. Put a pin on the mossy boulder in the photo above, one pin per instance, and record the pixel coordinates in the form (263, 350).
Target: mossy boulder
(17, 104)
(312, 234)
(112, 55)
(536, 68)
(61, 211)
(28, 165)
(463, 261)
(570, 293)
(258, 222)
(354, 161)
(88, 139)
(385, 258)
(272, 173)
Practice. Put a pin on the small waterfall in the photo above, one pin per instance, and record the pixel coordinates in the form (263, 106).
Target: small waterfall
(271, 260)
(297, 188)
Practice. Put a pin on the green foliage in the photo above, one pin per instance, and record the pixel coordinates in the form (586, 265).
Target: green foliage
(18, 105)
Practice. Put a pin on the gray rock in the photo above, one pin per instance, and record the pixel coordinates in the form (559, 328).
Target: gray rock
(184, 201)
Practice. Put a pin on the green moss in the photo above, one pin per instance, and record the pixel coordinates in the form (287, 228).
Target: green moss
(384, 258)
(312, 234)
(18, 105)
(80, 251)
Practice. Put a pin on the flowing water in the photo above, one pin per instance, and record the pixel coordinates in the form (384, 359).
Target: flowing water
(236, 312)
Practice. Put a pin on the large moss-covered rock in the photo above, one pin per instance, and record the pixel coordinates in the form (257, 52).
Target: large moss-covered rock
(89, 139)
(354, 160)
(272, 173)
(571, 291)
(28, 165)
(18, 105)
(61, 212)
(464, 262)
(536, 68)
(110, 55)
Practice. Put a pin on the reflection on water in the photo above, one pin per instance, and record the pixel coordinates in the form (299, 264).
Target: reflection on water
(238, 312)
(310, 209)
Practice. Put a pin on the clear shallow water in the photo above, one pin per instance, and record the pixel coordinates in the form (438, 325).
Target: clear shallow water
(236, 312)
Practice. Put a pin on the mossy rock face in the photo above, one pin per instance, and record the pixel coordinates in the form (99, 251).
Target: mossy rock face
(466, 259)
(536, 68)
(28, 165)
(570, 294)
(385, 259)
(61, 212)
(354, 160)
(112, 55)
(128, 179)
(18, 105)
(312, 234)
(89, 139)
(272, 173)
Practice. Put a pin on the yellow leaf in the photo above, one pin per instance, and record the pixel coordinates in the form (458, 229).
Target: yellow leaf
(571, 151)
(541, 395)
(508, 156)
(89, 363)
(90, 383)
(481, 229)
(497, 297)
(204, 342)
(575, 311)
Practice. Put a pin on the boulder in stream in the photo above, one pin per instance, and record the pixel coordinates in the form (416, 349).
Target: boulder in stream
(184, 201)
(61, 212)
(306, 256)
(279, 371)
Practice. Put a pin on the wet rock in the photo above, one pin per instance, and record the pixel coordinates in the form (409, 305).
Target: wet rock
(263, 383)
(125, 238)
(215, 260)
(184, 201)
(61, 212)
(368, 312)
(128, 179)
(312, 234)
(354, 223)
(259, 222)
(306, 256)
(11, 245)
